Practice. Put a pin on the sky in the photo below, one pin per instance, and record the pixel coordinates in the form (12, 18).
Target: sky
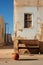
(6, 11)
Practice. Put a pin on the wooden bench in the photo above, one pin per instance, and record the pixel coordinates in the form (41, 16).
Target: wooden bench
(31, 45)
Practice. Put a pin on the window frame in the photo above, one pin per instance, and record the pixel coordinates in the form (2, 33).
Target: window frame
(31, 20)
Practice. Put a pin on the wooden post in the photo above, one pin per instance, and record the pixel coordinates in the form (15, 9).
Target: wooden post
(16, 45)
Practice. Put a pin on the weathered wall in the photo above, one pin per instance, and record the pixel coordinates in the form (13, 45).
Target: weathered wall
(19, 19)
(29, 2)
(1, 31)
(19, 10)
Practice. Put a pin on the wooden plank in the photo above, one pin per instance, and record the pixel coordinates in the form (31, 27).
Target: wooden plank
(35, 47)
(29, 42)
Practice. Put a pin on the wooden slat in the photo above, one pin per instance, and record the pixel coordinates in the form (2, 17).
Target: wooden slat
(35, 47)
(29, 42)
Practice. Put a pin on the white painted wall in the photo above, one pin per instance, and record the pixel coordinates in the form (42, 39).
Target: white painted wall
(28, 33)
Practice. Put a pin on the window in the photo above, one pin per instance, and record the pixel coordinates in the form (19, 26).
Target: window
(27, 20)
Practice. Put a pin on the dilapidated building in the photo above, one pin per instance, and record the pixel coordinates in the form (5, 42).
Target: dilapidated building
(28, 19)
(2, 31)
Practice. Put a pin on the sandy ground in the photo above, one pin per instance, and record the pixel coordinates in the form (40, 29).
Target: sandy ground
(20, 62)
(6, 53)
(6, 58)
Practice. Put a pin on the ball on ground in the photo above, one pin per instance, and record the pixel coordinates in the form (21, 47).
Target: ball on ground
(16, 56)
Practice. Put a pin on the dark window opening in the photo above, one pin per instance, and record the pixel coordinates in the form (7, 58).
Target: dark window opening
(27, 20)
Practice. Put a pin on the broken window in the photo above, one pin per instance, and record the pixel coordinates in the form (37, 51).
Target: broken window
(27, 20)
